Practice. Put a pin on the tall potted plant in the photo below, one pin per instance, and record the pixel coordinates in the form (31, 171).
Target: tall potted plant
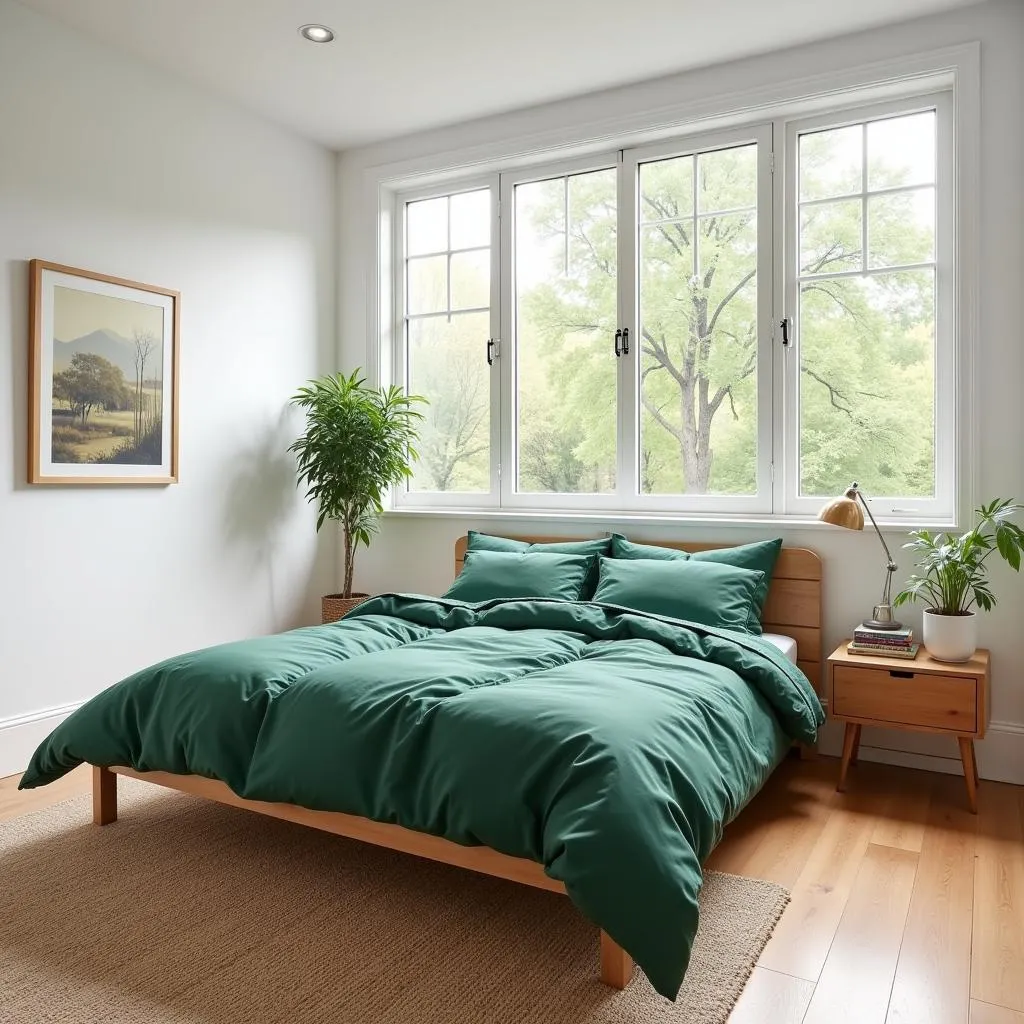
(359, 442)
(954, 577)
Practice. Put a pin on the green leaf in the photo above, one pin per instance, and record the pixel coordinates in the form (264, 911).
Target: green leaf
(357, 444)
(954, 572)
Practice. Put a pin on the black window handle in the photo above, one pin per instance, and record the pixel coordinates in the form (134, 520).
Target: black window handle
(625, 341)
(618, 337)
(490, 351)
(784, 324)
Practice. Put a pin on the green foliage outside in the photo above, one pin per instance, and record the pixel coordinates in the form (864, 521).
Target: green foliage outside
(359, 442)
(447, 362)
(867, 341)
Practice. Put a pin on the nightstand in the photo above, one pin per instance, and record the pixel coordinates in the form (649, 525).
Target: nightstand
(949, 699)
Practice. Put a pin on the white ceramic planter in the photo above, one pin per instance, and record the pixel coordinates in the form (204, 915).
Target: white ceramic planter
(950, 637)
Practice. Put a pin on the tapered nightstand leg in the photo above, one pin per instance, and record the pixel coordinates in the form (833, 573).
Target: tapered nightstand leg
(970, 771)
(856, 747)
(851, 743)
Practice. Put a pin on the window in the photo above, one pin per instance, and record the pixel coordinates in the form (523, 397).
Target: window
(703, 319)
(564, 315)
(873, 381)
(607, 333)
(446, 326)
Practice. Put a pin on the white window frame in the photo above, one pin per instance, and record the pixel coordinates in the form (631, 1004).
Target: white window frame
(629, 412)
(892, 507)
(954, 70)
(510, 497)
(399, 371)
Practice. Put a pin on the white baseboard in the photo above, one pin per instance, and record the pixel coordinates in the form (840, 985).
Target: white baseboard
(20, 735)
(1000, 754)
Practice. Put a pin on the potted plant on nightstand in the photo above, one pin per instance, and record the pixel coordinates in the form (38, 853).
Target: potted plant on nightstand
(954, 577)
(359, 442)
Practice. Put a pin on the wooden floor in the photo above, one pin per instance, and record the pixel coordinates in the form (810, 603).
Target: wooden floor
(906, 908)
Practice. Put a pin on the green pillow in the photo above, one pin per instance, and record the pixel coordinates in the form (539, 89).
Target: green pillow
(491, 574)
(707, 592)
(488, 542)
(622, 548)
(597, 546)
(760, 556)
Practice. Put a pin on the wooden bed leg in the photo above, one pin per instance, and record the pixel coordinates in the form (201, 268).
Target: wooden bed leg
(104, 796)
(616, 963)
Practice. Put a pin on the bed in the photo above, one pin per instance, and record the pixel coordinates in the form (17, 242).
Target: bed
(495, 773)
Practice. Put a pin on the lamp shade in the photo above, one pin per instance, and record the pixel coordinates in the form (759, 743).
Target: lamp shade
(844, 512)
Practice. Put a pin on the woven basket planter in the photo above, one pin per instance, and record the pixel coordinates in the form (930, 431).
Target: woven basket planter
(334, 606)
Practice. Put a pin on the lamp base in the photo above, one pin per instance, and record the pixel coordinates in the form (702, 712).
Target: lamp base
(882, 618)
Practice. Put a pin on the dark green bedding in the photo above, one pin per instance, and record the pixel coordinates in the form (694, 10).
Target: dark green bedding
(609, 745)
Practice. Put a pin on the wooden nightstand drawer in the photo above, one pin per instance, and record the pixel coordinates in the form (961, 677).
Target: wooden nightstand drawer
(927, 700)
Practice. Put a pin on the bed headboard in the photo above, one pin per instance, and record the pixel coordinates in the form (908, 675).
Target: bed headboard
(793, 607)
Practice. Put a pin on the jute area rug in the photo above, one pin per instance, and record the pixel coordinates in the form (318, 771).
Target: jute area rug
(185, 910)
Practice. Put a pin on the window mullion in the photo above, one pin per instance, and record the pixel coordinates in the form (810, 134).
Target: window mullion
(788, 190)
(506, 376)
(627, 453)
(497, 398)
(764, 371)
(953, 486)
(864, 200)
(782, 357)
(398, 364)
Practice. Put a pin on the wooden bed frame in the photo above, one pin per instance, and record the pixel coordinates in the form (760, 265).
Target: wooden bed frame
(793, 608)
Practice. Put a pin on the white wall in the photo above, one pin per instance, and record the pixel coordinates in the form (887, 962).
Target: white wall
(416, 553)
(108, 165)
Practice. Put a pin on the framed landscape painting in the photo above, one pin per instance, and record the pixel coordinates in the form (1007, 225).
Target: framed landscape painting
(103, 403)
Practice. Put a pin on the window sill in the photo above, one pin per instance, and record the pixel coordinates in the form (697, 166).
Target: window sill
(614, 519)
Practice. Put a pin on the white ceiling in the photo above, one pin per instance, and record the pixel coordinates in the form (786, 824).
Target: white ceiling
(399, 66)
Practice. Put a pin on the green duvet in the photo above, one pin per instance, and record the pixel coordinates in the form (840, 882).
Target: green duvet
(609, 745)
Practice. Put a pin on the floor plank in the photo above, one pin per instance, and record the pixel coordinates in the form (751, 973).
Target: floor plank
(997, 966)
(902, 816)
(758, 847)
(986, 1013)
(746, 833)
(772, 997)
(14, 802)
(933, 976)
(802, 939)
(855, 983)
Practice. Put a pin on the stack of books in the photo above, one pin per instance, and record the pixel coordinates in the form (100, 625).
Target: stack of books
(891, 643)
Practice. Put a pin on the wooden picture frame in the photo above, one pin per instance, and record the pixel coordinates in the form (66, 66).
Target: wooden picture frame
(104, 378)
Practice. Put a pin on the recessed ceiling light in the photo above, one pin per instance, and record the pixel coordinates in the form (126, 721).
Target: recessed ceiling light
(316, 33)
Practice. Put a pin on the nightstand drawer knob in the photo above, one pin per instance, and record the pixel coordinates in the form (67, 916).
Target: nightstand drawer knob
(900, 675)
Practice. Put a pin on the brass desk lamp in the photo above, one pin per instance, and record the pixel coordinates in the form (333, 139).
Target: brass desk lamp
(846, 512)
